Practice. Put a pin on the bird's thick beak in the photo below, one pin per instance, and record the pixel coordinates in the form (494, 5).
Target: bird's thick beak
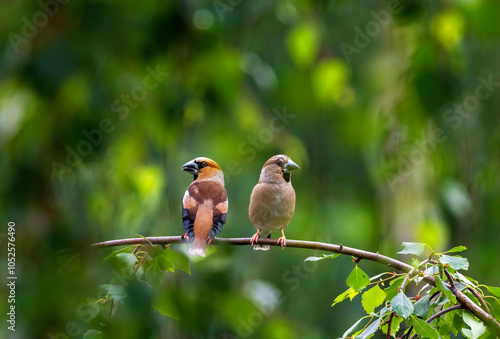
(191, 167)
(290, 166)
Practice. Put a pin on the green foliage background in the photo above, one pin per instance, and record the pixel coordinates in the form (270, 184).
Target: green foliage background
(374, 120)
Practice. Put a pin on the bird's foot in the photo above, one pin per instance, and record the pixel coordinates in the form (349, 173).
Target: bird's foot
(186, 236)
(254, 238)
(282, 240)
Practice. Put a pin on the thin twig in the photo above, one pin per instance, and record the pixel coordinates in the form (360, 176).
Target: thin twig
(138, 265)
(446, 310)
(481, 300)
(406, 279)
(389, 325)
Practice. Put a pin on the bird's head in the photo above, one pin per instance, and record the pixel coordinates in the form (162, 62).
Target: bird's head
(203, 168)
(277, 169)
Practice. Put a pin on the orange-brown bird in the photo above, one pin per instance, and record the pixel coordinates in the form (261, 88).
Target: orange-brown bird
(272, 201)
(204, 205)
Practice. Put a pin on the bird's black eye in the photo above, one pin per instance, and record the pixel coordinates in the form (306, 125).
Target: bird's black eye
(279, 162)
(203, 164)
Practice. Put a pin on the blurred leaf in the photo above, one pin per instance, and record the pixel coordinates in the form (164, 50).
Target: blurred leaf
(155, 251)
(163, 262)
(455, 262)
(302, 43)
(402, 305)
(424, 329)
(357, 279)
(372, 298)
(179, 261)
(166, 307)
(448, 27)
(123, 250)
(117, 292)
(324, 256)
(330, 80)
(412, 248)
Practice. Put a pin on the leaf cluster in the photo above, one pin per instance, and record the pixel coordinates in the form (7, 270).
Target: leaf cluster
(433, 312)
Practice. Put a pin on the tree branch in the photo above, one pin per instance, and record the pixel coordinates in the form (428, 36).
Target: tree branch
(382, 259)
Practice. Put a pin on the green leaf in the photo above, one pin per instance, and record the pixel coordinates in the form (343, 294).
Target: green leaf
(441, 286)
(477, 328)
(494, 290)
(350, 293)
(93, 334)
(466, 280)
(392, 290)
(179, 261)
(415, 262)
(164, 263)
(416, 248)
(402, 305)
(155, 251)
(113, 254)
(127, 261)
(424, 329)
(324, 256)
(372, 298)
(164, 303)
(117, 292)
(455, 262)
(357, 279)
(495, 308)
(457, 249)
(368, 332)
(353, 328)
(421, 307)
